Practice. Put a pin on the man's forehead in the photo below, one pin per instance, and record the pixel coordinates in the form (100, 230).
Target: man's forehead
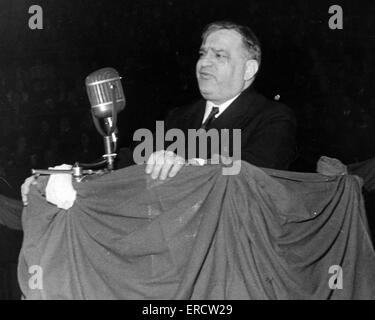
(222, 39)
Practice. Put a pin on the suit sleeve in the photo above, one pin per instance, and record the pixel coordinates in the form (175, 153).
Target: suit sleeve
(274, 143)
(171, 120)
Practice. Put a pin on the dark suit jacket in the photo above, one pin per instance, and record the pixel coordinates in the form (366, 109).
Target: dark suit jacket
(267, 128)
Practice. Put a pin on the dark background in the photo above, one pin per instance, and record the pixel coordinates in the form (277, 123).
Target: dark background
(325, 75)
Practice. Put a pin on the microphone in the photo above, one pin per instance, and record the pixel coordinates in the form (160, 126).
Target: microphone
(107, 98)
(105, 92)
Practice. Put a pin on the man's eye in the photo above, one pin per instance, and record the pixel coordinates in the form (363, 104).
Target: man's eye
(220, 56)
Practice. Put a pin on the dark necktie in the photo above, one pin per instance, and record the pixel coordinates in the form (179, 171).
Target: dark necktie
(210, 118)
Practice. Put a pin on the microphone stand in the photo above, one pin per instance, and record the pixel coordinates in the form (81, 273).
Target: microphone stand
(80, 170)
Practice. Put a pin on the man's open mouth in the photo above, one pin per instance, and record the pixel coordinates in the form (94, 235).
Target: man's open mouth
(205, 75)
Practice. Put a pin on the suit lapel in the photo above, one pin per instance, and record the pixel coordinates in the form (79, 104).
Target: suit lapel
(192, 119)
(239, 111)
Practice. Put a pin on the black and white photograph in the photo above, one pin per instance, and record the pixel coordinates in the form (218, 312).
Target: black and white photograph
(195, 150)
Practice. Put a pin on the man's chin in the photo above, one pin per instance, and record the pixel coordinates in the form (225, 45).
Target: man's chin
(207, 95)
(206, 92)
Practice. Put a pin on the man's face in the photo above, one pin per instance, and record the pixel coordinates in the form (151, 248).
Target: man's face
(221, 67)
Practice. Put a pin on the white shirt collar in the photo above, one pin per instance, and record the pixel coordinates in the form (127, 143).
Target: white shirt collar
(222, 107)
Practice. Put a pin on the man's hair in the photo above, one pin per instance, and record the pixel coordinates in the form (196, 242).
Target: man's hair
(249, 39)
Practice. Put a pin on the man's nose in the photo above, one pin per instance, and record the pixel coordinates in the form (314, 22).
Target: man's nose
(205, 60)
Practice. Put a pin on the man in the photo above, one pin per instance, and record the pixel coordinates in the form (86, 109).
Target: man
(230, 57)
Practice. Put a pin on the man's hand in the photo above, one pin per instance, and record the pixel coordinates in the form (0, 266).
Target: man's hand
(25, 188)
(162, 164)
(59, 190)
(330, 166)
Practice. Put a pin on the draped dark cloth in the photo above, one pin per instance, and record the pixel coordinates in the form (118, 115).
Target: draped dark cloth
(261, 234)
(10, 246)
(10, 212)
(365, 170)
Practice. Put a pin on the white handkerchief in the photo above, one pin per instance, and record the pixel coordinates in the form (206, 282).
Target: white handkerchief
(59, 190)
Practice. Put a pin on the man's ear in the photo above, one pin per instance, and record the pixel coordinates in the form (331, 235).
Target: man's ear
(252, 67)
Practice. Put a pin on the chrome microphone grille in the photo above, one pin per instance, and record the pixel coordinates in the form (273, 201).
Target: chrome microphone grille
(99, 85)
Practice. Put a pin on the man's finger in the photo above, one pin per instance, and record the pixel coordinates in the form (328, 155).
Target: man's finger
(159, 163)
(24, 195)
(25, 188)
(150, 163)
(178, 164)
(215, 159)
(226, 160)
(169, 161)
